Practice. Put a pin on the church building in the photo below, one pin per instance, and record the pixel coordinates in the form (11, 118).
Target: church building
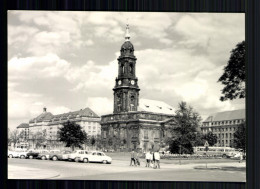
(134, 124)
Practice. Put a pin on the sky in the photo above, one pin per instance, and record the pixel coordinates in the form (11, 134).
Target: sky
(67, 61)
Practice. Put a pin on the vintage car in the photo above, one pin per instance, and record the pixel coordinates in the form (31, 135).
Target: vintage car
(31, 154)
(74, 154)
(17, 154)
(63, 155)
(94, 157)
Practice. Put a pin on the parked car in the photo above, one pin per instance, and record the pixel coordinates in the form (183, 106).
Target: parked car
(94, 157)
(74, 154)
(31, 154)
(12, 154)
(63, 155)
(43, 155)
(17, 154)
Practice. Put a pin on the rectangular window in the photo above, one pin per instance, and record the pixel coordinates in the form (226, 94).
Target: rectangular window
(226, 135)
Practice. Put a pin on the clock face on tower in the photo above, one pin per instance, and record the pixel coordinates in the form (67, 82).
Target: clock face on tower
(119, 82)
(132, 82)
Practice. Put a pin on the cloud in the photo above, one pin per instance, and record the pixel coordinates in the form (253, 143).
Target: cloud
(37, 67)
(100, 105)
(59, 110)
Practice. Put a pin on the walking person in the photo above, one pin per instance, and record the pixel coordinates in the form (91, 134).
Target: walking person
(137, 160)
(157, 159)
(132, 158)
(148, 158)
(241, 157)
(152, 160)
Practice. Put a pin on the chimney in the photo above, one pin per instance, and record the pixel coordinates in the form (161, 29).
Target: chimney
(44, 109)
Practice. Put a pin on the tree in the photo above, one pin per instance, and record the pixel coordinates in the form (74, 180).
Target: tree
(185, 132)
(211, 138)
(40, 138)
(92, 141)
(234, 74)
(14, 137)
(72, 134)
(240, 137)
(99, 142)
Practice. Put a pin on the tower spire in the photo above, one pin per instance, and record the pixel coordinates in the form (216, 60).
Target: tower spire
(127, 35)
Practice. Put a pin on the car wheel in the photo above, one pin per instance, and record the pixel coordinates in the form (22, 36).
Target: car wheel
(10, 156)
(85, 160)
(30, 157)
(43, 158)
(105, 161)
(54, 158)
(224, 155)
(76, 159)
(22, 157)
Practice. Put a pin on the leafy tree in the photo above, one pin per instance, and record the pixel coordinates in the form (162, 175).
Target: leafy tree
(92, 141)
(99, 142)
(14, 137)
(72, 134)
(40, 138)
(240, 137)
(211, 138)
(184, 133)
(234, 74)
(9, 137)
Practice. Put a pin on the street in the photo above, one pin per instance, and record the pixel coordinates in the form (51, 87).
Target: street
(225, 171)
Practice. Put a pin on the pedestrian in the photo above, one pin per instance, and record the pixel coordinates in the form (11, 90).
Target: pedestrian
(148, 158)
(241, 157)
(135, 157)
(132, 158)
(157, 159)
(152, 160)
(137, 160)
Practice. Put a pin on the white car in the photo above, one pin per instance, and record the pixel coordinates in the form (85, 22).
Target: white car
(95, 157)
(74, 154)
(19, 154)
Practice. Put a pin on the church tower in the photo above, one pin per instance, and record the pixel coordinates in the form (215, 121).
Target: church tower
(126, 90)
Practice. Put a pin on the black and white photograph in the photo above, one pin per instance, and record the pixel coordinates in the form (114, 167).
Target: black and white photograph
(132, 96)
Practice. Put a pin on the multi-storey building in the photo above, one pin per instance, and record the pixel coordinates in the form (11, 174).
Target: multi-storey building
(134, 124)
(47, 125)
(224, 125)
(23, 131)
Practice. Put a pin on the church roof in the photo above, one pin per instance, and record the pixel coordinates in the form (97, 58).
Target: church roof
(155, 106)
(23, 125)
(227, 115)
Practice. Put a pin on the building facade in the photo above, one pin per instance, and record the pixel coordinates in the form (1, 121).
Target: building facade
(134, 125)
(46, 126)
(224, 125)
(23, 131)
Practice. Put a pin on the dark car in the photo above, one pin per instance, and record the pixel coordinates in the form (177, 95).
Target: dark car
(63, 155)
(32, 154)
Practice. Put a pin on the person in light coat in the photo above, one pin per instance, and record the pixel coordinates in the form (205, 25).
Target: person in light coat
(148, 157)
(157, 160)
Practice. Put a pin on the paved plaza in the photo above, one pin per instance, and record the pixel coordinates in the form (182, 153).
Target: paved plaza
(222, 171)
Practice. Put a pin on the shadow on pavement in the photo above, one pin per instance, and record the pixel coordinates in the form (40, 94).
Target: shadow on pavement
(221, 168)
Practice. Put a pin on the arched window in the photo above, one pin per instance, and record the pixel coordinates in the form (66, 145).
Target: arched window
(131, 68)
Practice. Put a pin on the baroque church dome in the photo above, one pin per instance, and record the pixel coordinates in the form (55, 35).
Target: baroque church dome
(127, 49)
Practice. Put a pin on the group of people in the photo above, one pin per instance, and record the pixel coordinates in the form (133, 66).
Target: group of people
(152, 159)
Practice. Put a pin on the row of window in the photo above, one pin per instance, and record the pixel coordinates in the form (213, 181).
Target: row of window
(222, 142)
(223, 129)
(227, 135)
(223, 122)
